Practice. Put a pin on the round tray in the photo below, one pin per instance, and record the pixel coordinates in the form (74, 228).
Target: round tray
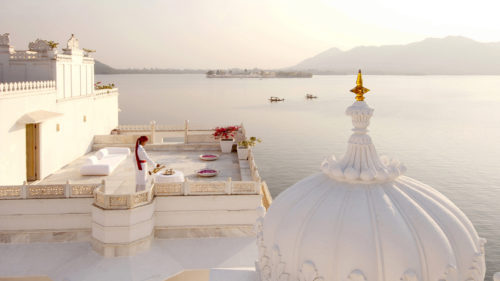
(207, 173)
(164, 173)
(209, 157)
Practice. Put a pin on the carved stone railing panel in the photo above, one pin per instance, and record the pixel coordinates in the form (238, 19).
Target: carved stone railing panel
(83, 190)
(207, 187)
(140, 198)
(46, 191)
(127, 201)
(11, 192)
(100, 200)
(169, 188)
(121, 201)
(245, 187)
(118, 201)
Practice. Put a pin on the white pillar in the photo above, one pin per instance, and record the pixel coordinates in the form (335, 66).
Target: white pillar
(186, 128)
(153, 131)
(67, 191)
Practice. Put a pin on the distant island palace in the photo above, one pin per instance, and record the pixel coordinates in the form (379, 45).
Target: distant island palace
(69, 209)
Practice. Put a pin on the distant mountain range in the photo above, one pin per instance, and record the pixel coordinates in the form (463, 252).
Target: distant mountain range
(452, 55)
(449, 55)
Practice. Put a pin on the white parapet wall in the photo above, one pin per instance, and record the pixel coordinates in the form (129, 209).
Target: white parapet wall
(125, 224)
(182, 216)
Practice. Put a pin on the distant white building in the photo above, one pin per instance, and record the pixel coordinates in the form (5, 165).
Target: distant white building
(49, 108)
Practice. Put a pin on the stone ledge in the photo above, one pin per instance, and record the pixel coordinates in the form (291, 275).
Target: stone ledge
(122, 234)
(204, 231)
(122, 249)
(45, 236)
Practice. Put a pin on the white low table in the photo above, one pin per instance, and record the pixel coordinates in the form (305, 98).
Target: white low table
(178, 176)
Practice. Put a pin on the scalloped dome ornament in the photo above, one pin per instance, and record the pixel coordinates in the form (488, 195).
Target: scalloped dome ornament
(361, 219)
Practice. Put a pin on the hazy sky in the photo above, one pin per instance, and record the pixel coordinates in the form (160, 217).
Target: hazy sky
(234, 33)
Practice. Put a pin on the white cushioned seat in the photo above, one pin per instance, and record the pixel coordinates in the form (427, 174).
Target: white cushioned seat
(104, 161)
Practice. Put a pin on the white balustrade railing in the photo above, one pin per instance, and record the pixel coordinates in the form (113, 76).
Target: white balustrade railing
(187, 188)
(206, 188)
(25, 56)
(172, 127)
(34, 191)
(134, 128)
(7, 88)
(253, 167)
(200, 131)
(122, 201)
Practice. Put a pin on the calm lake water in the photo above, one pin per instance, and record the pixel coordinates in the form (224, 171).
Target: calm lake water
(446, 129)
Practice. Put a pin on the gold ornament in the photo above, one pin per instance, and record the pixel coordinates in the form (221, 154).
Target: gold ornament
(359, 90)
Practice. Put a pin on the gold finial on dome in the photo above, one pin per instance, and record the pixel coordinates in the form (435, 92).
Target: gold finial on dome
(359, 90)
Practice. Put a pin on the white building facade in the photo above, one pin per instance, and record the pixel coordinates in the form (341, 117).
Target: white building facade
(49, 108)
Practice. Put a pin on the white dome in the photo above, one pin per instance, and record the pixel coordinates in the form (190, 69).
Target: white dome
(399, 230)
(361, 220)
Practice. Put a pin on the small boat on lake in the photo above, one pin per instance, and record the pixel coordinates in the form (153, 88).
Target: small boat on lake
(275, 99)
(309, 96)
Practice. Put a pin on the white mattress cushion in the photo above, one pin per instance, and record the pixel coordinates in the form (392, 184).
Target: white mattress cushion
(91, 160)
(101, 153)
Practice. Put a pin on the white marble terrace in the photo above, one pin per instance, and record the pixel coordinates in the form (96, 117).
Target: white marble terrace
(167, 258)
(107, 215)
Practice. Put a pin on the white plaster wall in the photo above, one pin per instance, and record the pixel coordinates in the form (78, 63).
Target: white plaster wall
(214, 202)
(39, 71)
(56, 148)
(46, 222)
(26, 70)
(205, 218)
(60, 81)
(206, 210)
(13, 135)
(4, 61)
(75, 136)
(41, 214)
(74, 75)
(120, 226)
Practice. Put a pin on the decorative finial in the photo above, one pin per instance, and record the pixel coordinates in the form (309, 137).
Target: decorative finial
(359, 90)
(361, 163)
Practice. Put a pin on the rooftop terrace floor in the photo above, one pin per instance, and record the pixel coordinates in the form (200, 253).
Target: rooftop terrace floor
(122, 179)
(78, 262)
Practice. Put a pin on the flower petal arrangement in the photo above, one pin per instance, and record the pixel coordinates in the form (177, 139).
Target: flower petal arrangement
(209, 157)
(207, 172)
(225, 132)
